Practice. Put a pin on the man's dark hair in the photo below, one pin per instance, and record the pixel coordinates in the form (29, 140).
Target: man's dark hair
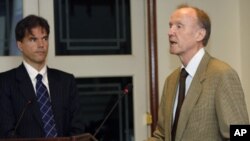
(203, 21)
(25, 25)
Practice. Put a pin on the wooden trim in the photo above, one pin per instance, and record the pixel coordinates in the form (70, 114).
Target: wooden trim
(153, 61)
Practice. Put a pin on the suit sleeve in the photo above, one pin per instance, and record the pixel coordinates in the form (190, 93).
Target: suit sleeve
(230, 102)
(7, 120)
(159, 132)
(77, 125)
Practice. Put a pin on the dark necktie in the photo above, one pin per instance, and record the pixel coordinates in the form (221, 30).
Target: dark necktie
(43, 99)
(181, 97)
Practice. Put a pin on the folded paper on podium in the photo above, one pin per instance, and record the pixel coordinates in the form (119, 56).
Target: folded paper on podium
(81, 137)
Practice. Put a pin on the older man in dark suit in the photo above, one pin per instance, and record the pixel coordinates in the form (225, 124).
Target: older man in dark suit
(35, 100)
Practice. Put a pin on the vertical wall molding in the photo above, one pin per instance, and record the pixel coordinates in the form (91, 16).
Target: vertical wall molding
(153, 60)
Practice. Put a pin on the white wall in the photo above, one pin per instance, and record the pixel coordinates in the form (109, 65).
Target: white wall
(245, 46)
(229, 39)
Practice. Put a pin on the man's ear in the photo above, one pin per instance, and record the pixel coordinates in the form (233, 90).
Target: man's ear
(19, 45)
(201, 33)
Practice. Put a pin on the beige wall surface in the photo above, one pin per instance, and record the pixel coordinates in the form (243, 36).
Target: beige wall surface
(229, 39)
(245, 46)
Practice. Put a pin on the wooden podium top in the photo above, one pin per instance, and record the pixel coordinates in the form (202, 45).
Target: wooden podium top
(81, 137)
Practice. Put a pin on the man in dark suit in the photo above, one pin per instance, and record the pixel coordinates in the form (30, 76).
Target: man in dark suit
(214, 98)
(20, 110)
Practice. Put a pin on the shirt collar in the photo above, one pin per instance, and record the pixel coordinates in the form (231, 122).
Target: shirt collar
(194, 62)
(33, 72)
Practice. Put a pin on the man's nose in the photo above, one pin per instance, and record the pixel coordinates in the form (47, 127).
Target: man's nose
(170, 31)
(40, 43)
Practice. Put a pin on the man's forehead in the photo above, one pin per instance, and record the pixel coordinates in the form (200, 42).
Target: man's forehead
(183, 13)
(35, 30)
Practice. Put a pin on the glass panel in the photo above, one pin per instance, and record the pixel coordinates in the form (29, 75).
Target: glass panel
(98, 96)
(11, 11)
(92, 27)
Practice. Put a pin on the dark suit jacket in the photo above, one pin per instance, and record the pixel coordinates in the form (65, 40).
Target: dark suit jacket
(215, 100)
(17, 95)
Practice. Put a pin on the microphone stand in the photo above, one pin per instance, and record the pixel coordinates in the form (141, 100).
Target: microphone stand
(13, 134)
(107, 116)
(126, 90)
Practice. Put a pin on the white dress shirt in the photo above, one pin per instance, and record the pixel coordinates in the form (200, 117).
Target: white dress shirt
(33, 73)
(191, 69)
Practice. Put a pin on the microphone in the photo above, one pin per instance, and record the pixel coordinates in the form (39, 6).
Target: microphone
(128, 88)
(21, 117)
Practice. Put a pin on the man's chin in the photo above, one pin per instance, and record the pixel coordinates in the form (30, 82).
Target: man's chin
(173, 52)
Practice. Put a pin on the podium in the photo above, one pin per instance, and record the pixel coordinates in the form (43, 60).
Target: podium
(81, 137)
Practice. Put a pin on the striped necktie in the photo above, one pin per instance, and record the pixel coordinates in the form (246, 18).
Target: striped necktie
(43, 99)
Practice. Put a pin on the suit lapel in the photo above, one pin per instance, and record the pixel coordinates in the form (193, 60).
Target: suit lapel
(193, 94)
(26, 89)
(56, 96)
(170, 96)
